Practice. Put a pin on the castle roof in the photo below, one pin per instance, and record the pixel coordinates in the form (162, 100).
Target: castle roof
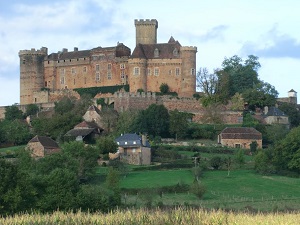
(165, 50)
(274, 111)
(69, 55)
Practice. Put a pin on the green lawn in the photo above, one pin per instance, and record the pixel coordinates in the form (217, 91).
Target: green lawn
(146, 179)
(246, 184)
(13, 148)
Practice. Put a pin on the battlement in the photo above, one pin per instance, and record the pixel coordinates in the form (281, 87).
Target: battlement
(42, 51)
(146, 22)
(188, 48)
(135, 95)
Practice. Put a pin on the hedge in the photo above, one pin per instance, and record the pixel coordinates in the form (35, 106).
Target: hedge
(93, 91)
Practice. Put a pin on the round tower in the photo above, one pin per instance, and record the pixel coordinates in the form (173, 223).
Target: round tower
(31, 73)
(146, 31)
(292, 96)
(188, 71)
(137, 74)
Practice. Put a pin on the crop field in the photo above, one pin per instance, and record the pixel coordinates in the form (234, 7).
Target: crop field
(176, 216)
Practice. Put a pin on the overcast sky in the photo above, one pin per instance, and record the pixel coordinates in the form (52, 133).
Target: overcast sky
(218, 28)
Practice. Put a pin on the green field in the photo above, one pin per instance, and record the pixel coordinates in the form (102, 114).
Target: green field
(159, 178)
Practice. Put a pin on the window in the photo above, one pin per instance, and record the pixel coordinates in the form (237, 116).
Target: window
(175, 52)
(84, 69)
(74, 81)
(62, 71)
(24, 61)
(109, 75)
(134, 142)
(95, 57)
(237, 145)
(45, 83)
(85, 80)
(122, 66)
(156, 53)
(170, 72)
(97, 77)
(122, 74)
(192, 71)
(177, 71)
(109, 66)
(62, 80)
(73, 70)
(97, 67)
(136, 71)
(148, 71)
(156, 71)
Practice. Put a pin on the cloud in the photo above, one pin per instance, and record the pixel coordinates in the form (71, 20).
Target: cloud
(274, 45)
(214, 33)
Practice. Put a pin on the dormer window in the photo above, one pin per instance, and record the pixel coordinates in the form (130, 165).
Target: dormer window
(175, 52)
(156, 53)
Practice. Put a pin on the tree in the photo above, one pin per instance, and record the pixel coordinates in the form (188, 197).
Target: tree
(239, 157)
(212, 114)
(291, 111)
(106, 145)
(206, 82)
(237, 102)
(16, 132)
(241, 76)
(228, 163)
(125, 122)
(31, 109)
(66, 104)
(13, 112)
(216, 162)
(164, 88)
(260, 95)
(154, 121)
(287, 152)
(179, 123)
(263, 163)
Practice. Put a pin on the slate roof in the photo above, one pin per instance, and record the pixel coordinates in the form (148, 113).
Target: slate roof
(69, 55)
(165, 50)
(84, 128)
(130, 140)
(47, 142)
(274, 111)
(85, 124)
(241, 133)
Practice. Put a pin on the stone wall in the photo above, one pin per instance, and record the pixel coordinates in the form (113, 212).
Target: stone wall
(244, 143)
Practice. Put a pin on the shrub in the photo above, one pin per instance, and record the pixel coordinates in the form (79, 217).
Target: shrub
(216, 162)
(198, 189)
(164, 88)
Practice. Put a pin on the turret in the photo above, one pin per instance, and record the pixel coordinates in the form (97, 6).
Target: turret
(146, 31)
(292, 96)
(31, 73)
(188, 73)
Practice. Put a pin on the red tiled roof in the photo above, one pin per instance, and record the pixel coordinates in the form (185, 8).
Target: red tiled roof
(240, 133)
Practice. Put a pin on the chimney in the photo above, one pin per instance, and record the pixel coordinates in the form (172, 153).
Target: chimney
(75, 49)
(144, 140)
(266, 110)
(64, 50)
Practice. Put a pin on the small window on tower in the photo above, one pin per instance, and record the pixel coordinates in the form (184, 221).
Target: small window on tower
(175, 52)
(109, 66)
(156, 53)
(24, 61)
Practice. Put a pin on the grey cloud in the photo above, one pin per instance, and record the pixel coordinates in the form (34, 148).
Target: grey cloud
(282, 45)
(214, 33)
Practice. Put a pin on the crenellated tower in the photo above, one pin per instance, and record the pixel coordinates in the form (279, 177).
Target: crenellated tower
(146, 31)
(188, 78)
(31, 73)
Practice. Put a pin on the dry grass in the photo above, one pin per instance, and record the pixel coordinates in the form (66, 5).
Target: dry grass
(155, 217)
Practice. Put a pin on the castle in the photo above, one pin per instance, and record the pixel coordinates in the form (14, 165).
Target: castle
(146, 68)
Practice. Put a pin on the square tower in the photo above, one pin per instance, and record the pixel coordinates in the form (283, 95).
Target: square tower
(146, 31)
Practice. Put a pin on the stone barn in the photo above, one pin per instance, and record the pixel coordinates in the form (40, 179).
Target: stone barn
(40, 146)
(240, 137)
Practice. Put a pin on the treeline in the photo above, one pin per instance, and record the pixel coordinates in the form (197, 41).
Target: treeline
(58, 181)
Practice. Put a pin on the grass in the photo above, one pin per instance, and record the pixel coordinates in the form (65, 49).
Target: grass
(13, 148)
(146, 179)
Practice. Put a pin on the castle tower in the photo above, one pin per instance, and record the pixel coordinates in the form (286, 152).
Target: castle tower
(146, 31)
(188, 77)
(292, 96)
(31, 73)
(138, 76)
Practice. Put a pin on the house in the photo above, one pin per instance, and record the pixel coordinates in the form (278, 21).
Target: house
(133, 149)
(40, 146)
(240, 137)
(273, 115)
(84, 131)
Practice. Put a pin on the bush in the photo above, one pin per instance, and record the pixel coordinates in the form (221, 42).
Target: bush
(164, 88)
(198, 189)
(216, 162)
